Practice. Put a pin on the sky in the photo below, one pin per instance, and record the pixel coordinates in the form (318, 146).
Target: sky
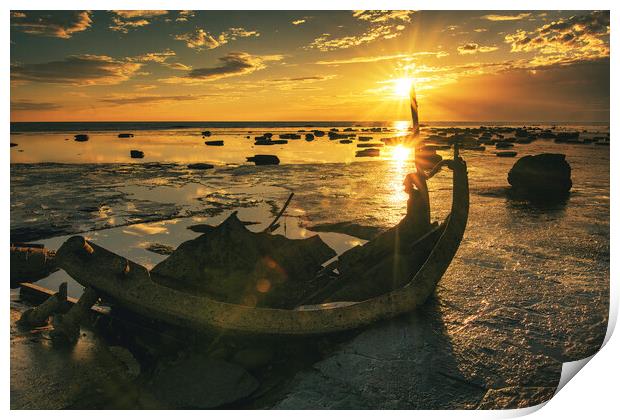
(183, 65)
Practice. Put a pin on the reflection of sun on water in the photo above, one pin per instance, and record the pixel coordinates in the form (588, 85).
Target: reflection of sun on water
(401, 126)
(400, 156)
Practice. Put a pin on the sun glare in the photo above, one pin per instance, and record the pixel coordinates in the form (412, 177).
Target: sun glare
(401, 153)
(402, 87)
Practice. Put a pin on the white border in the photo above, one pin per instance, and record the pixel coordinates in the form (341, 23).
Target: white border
(593, 394)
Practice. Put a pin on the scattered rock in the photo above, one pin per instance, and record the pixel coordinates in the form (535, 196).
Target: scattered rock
(200, 166)
(541, 175)
(509, 153)
(504, 145)
(199, 382)
(264, 159)
(136, 154)
(368, 153)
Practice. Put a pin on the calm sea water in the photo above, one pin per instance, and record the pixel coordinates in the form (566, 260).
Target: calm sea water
(528, 289)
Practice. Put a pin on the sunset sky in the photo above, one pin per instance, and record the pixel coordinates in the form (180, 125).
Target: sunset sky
(309, 65)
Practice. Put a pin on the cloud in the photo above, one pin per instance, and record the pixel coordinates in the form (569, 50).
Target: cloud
(376, 58)
(383, 15)
(473, 48)
(201, 39)
(185, 15)
(78, 70)
(149, 99)
(178, 66)
(56, 24)
(304, 79)
(568, 40)
(384, 24)
(498, 18)
(232, 64)
(155, 57)
(298, 21)
(124, 20)
(32, 106)
(133, 14)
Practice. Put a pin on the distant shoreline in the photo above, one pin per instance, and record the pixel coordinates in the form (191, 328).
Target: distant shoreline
(66, 126)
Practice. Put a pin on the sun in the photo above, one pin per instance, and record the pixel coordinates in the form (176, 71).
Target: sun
(401, 153)
(402, 87)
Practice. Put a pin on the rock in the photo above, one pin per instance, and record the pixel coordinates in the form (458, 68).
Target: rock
(80, 137)
(206, 133)
(368, 153)
(309, 137)
(540, 175)
(369, 145)
(125, 135)
(200, 382)
(504, 145)
(160, 248)
(264, 159)
(364, 138)
(136, 154)
(291, 136)
(233, 264)
(346, 141)
(567, 137)
(509, 153)
(319, 133)
(200, 166)
(13, 144)
(215, 143)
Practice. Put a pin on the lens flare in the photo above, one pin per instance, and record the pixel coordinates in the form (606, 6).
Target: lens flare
(401, 153)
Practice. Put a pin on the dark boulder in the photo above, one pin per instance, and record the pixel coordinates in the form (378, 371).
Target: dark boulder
(541, 175)
(136, 154)
(264, 159)
(214, 143)
(80, 137)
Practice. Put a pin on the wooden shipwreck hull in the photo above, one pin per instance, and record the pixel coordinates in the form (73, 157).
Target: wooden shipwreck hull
(129, 285)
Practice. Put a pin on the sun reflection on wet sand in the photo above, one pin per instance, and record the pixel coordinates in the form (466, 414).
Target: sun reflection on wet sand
(402, 164)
